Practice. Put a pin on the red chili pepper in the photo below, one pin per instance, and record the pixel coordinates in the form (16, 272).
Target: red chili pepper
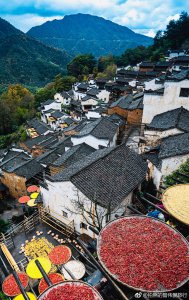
(10, 287)
(60, 255)
(54, 277)
(71, 291)
(144, 253)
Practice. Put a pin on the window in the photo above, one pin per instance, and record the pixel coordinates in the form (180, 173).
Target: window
(184, 92)
(64, 213)
(83, 225)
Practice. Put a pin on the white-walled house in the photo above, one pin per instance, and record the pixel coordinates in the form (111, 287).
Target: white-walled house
(153, 84)
(102, 95)
(51, 104)
(96, 113)
(167, 124)
(88, 102)
(103, 182)
(97, 134)
(80, 90)
(174, 94)
(173, 152)
(64, 97)
(93, 114)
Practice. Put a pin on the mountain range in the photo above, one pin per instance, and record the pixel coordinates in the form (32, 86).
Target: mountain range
(26, 60)
(35, 58)
(84, 33)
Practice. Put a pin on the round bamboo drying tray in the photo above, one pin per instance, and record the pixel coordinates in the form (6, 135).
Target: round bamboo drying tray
(97, 296)
(176, 201)
(115, 276)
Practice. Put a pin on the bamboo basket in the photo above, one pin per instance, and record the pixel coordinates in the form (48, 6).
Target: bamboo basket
(176, 201)
(125, 284)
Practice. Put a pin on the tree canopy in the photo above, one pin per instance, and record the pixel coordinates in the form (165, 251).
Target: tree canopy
(16, 106)
(82, 64)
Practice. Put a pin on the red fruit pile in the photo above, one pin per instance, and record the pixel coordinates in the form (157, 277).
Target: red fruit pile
(10, 287)
(144, 253)
(60, 255)
(71, 291)
(54, 277)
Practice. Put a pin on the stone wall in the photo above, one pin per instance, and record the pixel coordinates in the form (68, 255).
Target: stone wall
(16, 184)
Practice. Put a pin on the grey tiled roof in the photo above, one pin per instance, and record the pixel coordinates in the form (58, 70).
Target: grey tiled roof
(83, 86)
(40, 140)
(102, 128)
(21, 164)
(152, 157)
(129, 102)
(183, 74)
(69, 121)
(117, 119)
(29, 169)
(65, 95)
(70, 93)
(88, 97)
(48, 102)
(60, 146)
(106, 176)
(174, 146)
(110, 179)
(57, 114)
(74, 154)
(122, 102)
(147, 64)
(66, 174)
(39, 126)
(176, 118)
(13, 159)
(49, 111)
(136, 104)
(48, 157)
(93, 92)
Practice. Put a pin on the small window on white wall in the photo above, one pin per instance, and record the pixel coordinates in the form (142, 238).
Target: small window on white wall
(83, 225)
(64, 213)
(184, 92)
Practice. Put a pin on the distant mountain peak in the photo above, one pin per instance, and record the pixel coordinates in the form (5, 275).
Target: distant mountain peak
(26, 60)
(85, 33)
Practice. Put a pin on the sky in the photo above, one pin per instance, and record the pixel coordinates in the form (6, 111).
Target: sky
(142, 16)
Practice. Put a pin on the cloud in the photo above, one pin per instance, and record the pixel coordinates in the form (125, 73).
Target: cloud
(26, 21)
(141, 15)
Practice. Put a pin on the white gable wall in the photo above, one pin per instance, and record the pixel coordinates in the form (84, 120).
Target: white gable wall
(154, 135)
(55, 105)
(151, 85)
(93, 141)
(64, 101)
(104, 96)
(171, 164)
(157, 104)
(92, 114)
(61, 196)
(91, 102)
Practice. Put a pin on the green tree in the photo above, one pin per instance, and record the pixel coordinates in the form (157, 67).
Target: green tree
(79, 64)
(104, 62)
(44, 94)
(16, 106)
(63, 83)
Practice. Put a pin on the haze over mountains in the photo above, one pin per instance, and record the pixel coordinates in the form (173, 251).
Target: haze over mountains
(83, 33)
(26, 60)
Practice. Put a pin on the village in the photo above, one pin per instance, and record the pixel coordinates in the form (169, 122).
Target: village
(98, 152)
